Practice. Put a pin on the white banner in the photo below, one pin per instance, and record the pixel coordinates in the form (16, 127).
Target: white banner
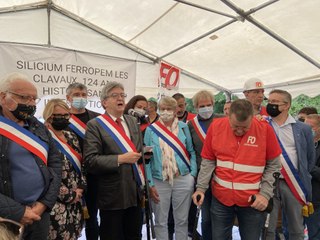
(52, 70)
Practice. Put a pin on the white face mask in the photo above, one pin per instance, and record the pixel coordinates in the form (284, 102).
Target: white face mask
(140, 111)
(166, 116)
(205, 112)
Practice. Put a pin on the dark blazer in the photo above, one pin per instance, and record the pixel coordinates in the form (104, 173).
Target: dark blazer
(117, 188)
(316, 178)
(306, 154)
(92, 114)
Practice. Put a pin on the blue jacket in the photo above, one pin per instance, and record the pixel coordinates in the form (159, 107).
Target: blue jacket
(306, 154)
(154, 168)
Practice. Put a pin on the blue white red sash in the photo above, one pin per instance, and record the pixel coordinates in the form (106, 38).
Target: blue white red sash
(73, 156)
(199, 128)
(291, 176)
(77, 126)
(124, 143)
(172, 141)
(24, 138)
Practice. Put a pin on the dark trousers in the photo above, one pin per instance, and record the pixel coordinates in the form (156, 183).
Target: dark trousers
(92, 226)
(250, 221)
(124, 224)
(191, 218)
(39, 229)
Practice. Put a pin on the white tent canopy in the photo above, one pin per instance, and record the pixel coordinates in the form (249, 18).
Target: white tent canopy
(217, 44)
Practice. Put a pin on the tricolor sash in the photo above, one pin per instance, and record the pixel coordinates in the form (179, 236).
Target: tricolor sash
(124, 143)
(24, 138)
(172, 141)
(199, 128)
(291, 176)
(77, 126)
(73, 156)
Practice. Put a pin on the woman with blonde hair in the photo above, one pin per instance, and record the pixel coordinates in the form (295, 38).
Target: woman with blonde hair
(66, 215)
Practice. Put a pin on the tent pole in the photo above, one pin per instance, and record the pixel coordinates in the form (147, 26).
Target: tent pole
(200, 79)
(24, 7)
(246, 15)
(49, 21)
(241, 18)
(206, 9)
(105, 33)
(288, 83)
(199, 38)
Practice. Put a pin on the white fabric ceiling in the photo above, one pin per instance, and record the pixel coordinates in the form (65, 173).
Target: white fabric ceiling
(215, 47)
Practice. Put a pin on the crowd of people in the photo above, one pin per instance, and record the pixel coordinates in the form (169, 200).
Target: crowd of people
(56, 176)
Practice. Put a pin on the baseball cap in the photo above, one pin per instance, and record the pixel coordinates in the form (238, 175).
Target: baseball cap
(253, 83)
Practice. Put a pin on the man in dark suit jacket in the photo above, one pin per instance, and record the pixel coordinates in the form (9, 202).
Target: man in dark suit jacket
(118, 191)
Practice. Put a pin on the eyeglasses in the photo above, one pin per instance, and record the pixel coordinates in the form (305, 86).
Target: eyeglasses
(117, 95)
(65, 116)
(25, 99)
(12, 228)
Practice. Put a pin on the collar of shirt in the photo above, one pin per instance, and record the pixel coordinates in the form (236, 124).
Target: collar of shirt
(115, 118)
(289, 120)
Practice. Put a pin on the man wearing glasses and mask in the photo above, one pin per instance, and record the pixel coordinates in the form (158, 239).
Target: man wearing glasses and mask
(298, 159)
(30, 163)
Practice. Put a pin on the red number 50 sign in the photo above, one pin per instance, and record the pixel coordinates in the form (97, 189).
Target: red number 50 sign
(169, 76)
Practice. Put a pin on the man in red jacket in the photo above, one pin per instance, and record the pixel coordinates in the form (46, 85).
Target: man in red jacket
(243, 153)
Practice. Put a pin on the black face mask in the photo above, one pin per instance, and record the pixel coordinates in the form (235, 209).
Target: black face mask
(273, 109)
(60, 123)
(24, 111)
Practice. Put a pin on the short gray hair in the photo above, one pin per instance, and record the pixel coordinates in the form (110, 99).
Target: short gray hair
(285, 94)
(108, 87)
(7, 80)
(76, 85)
(169, 101)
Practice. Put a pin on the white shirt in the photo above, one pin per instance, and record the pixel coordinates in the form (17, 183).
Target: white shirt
(124, 124)
(285, 134)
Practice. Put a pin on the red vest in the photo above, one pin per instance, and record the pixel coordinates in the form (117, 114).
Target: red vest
(240, 163)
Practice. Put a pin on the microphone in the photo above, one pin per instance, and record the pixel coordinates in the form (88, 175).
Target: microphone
(134, 113)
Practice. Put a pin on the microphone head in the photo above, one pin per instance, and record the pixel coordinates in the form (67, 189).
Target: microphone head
(132, 112)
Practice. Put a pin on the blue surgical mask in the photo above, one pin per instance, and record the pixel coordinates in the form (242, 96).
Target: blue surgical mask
(313, 133)
(205, 112)
(79, 102)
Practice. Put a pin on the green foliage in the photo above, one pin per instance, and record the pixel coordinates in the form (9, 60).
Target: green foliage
(219, 100)
(190, 107)
(304, 101)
